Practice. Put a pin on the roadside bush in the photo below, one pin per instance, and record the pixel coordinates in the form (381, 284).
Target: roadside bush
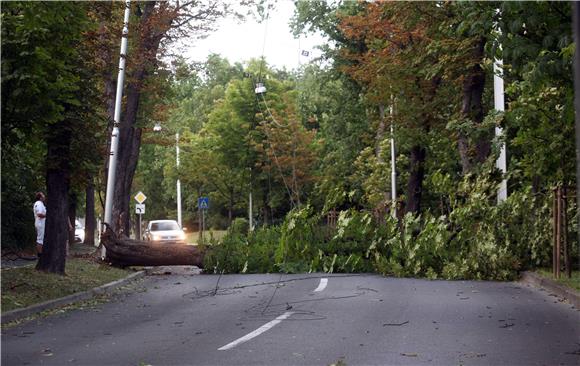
(239, 252)
(240, 225)
(479, 239)
(299, 241)
(262, 245)
(227, 256)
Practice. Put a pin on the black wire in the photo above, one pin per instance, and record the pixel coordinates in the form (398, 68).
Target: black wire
(274, 293)
(217, 283)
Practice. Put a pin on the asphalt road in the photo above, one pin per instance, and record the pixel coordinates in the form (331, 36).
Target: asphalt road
(305, 320)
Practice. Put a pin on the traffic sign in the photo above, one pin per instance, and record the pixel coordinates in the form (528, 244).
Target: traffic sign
(203, 203)
(140, 208)
(140, 197)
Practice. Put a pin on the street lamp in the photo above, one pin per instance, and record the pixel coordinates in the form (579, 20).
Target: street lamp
(157, 128)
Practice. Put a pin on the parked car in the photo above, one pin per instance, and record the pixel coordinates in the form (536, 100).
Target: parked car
(165, 231)
(79, 232)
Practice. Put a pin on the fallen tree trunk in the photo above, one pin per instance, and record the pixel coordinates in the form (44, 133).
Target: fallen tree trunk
(125, 252)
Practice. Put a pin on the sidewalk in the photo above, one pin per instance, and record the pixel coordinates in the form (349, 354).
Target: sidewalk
(533, 279)
(16, 314)
(12, 261)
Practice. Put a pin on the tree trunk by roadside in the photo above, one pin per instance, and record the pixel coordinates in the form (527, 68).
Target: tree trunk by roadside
(127, 252)
(90, 218)
(53, 258)
(144, 58)
(474, 152)
(379, 151)
(231, 207)
(416, 175)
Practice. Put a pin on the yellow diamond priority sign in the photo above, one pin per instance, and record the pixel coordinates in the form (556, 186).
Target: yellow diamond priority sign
(140, 197)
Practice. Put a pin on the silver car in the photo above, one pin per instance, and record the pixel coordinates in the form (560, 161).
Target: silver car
(165, 231)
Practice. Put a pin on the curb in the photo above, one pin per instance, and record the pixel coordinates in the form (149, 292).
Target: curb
(533, 279)
(12, 315)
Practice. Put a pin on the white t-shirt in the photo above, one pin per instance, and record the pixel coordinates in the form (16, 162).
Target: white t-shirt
(39, 208)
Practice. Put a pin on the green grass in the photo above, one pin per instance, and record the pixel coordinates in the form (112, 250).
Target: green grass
(573, 282)
(193, 237)
(22, 287)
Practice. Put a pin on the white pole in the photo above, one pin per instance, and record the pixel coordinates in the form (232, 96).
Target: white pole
(250, 210)
(499, 104)
(116, 121)
(393, 167)
(178, 181)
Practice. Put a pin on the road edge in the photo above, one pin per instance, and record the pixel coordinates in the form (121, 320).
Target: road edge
(16, 314)
(533, 279)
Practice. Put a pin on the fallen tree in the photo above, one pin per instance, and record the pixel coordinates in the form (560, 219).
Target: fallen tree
(123, 252)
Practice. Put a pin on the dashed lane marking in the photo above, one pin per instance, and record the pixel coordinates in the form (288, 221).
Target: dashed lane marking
(257, 332)
(322, 285)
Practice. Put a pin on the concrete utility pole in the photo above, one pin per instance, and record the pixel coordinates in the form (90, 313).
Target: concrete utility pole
(576, 32)
(250, 212)
(393, 165)
(117, 119)
(499, 105)
(178, 181)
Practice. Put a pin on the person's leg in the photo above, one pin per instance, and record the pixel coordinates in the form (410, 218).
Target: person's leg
(39, 239)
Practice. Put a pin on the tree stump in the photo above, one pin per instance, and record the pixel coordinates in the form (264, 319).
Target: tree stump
(123, 252)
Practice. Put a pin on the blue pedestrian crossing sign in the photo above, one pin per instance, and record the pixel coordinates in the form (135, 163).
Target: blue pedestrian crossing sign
(203, 203)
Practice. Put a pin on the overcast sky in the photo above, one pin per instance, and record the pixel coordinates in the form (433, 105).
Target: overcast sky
(241, 42)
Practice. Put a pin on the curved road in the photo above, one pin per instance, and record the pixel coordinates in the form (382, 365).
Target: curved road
(310, 319)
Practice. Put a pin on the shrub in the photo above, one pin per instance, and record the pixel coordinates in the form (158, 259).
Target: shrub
(479, 239)
(229, 256)
(240, 225)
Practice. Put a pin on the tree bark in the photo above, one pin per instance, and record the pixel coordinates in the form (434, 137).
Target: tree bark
(474, 152)
(231, 207)
(379, 152)
(415, 183)
(53, 258)
(90, 218)
(126, 252)
(148, 41)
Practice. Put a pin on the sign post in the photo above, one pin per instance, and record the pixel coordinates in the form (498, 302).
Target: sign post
(202, 205)
(140, 210)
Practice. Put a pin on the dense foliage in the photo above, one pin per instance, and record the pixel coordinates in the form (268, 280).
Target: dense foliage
(433, 63)
(478, 240)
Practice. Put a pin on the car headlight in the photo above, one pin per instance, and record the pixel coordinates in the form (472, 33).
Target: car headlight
(181, 236)
(156, 237)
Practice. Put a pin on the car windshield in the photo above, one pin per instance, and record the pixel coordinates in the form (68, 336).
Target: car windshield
(164, 226)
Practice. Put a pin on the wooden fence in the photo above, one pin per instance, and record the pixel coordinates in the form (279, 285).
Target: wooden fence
(562, 248)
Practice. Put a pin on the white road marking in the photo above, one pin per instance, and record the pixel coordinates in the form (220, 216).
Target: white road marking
(322, 285)
(257, 332)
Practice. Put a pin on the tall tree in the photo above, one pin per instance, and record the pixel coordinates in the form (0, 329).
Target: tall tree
(157, 24)
(57, 76)
(288, 150)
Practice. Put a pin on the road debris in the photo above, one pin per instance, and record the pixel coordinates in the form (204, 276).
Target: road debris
(409, 354)
(395, 324)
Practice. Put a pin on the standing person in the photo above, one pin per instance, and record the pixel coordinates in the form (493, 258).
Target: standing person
(39, 219)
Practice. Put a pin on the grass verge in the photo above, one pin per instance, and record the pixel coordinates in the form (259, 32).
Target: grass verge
(573, 282)
(193, 237)
(22, 287)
